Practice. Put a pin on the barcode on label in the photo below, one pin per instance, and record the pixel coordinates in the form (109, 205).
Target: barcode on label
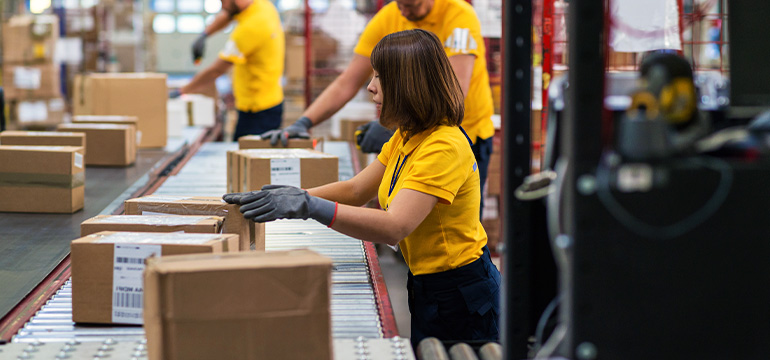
(282, 169)
(128, 260)
(127, 300)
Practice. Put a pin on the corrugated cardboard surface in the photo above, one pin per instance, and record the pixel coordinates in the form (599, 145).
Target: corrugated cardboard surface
(22, 47)
(92, 273)
(50, 170)
(43, 138)
(234, 223)
(256, 142)
(105, 119)
(162, 223)
(142, 95)
(256, 305)
(253, 170)
(110, 144)
(49, 86)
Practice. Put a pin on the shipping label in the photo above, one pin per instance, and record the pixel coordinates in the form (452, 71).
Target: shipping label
(127, 282)
(285, 172)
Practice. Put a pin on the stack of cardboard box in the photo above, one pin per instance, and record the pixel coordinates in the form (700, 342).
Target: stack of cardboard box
(107, 270)
(252, 235)
(249, 170)
(41, 179)
(30, 72)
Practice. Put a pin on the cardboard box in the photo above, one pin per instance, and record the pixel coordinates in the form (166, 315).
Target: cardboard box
(41, 179)
(348, 128)
(234, 223)
(107, 270)
(257, 142)
(200, 109)
(38, 112)
(109, 119)
(296, 167)
(29, 39)
(142, 95)
(152, 223)
(256, 305)
(49, 138)
(108, 144)
(233, 172)
(22, 82)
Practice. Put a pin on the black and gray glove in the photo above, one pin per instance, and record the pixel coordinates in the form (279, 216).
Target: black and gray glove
(371, 136)
(283, 202)
(198, 47)
(297, 130)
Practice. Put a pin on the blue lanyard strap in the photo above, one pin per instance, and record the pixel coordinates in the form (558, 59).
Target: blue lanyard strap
(466, 136)
(396, 173)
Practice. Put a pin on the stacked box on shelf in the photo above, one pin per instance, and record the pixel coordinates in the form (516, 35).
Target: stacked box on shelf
(31, 81)
(107, 270)
(41, 179)
(253, 168)
(234, 223)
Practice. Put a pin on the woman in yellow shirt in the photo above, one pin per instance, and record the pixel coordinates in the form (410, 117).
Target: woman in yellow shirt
(427, 182)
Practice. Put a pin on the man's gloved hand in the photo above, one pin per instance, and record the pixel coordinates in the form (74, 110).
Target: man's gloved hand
(198, 47)
(370, 137)
(297, 130)
(283, 202)
(175, 93)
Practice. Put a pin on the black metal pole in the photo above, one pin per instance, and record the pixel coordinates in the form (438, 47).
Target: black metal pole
(517, 145)
(581, 142)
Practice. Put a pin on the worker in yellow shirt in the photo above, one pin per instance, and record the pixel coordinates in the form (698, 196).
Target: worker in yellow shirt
(256, 49)
(427, 182)
(458, 28)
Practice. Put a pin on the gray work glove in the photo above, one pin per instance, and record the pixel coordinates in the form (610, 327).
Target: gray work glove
(282, 202)
(371, 136)
(297, 130)
(198, 47)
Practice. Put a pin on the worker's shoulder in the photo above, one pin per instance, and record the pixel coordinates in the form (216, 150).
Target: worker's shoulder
(458, 10)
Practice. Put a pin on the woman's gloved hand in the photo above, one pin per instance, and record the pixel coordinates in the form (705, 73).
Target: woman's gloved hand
(371, 136)
(283, 202)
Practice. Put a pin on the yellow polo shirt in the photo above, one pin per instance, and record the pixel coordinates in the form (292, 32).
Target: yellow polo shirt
(256, 48)
(439, 163)
(457, 26)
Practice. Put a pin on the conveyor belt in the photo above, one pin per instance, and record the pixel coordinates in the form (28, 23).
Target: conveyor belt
(32, 245)
(355, 311)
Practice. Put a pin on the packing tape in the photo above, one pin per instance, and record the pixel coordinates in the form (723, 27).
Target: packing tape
(47, 180)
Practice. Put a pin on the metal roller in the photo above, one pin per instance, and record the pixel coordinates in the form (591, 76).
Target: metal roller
(491, 351)
(431, 349)
(462, 351)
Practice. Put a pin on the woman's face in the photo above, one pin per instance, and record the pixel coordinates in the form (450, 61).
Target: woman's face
(376, 90)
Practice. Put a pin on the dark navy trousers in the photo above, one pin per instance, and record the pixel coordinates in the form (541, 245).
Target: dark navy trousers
(458, 304)
(256, 123)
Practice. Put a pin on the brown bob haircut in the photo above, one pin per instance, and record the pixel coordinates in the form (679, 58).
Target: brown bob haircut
(419, 88)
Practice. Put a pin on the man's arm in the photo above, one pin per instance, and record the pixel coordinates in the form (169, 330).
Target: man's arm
(463, 67)
(207, 76)
(341, 90)
(221, 20)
